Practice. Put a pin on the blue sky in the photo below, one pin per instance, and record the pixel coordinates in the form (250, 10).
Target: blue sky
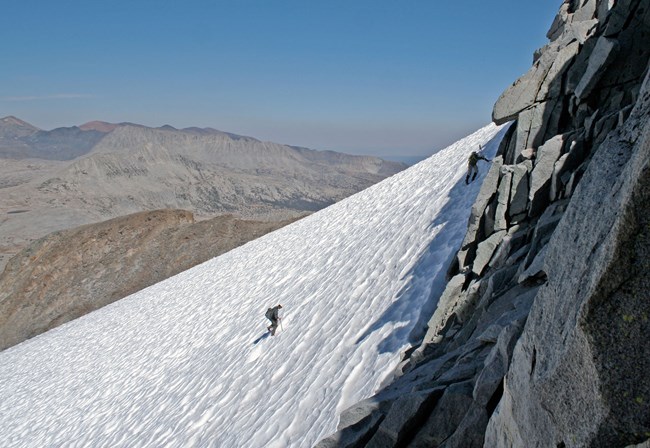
(367, 77)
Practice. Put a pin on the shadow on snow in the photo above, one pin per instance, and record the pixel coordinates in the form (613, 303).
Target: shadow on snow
(264, 336)
(397, 311)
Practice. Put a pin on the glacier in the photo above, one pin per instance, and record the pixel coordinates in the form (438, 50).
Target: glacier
(188, 362)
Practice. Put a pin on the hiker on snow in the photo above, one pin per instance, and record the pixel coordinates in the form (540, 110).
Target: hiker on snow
(274, 317)
(472, 167)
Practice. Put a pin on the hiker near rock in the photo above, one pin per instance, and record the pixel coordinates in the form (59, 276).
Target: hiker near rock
(472, 168)
(272, 314)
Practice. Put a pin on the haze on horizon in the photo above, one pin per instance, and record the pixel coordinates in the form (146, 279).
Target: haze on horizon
(365, 77)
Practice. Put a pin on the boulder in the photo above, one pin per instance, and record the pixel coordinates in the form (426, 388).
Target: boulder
(527, 154)
(485, 250)
(523, 93)
(571, 26)
(523, 133)
(425, 369)
(566, 165)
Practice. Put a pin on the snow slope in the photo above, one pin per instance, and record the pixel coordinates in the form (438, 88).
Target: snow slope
(185, 362)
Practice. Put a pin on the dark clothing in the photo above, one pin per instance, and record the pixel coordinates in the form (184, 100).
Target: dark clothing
(474, 158)
(472, 168)
(273, 315)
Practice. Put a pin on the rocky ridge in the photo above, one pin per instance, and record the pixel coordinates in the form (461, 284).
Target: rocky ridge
(72, 272)
(540, 338)
(21, 140)
(68, 177)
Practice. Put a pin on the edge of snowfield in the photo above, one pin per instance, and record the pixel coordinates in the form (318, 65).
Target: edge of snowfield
(184, 362)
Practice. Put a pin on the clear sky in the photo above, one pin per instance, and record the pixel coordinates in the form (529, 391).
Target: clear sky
(399, 77)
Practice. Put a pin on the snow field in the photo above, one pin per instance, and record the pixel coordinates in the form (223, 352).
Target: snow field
(186, 362)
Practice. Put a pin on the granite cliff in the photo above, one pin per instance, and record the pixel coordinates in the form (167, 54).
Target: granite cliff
(540, 338)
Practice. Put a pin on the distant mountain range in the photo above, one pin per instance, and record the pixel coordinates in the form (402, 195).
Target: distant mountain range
(65, 177)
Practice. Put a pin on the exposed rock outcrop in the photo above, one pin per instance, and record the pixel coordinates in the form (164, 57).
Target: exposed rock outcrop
(540, 339)
(585, 339)
(70, 273)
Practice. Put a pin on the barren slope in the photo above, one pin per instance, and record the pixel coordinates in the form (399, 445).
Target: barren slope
(70, 273)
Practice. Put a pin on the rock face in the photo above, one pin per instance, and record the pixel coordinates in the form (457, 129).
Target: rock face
(101, 171)
(585, 339)
(70, 273)
(540, 339)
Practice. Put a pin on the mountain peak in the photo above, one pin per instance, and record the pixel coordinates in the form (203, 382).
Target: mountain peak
(10, 120)
(12, 128)
(101, 126)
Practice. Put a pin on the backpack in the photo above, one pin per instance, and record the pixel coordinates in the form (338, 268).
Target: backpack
(269, 314)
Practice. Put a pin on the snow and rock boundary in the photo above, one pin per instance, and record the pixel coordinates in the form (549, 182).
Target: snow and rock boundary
(540, 337)
(185, 362)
